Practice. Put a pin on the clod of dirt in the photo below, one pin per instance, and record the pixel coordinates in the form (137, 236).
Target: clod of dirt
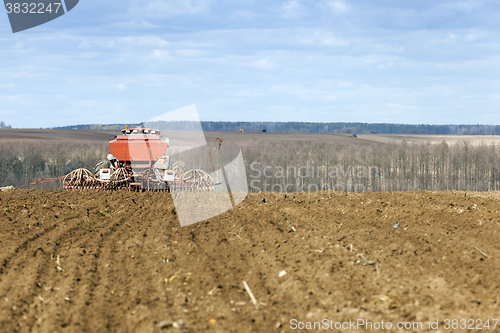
(164, 324)
(168, 324)
(6, 188)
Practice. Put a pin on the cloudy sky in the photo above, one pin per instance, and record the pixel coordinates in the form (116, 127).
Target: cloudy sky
(397, 61)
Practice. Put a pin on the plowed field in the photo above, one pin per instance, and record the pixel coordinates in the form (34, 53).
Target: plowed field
(120, 262)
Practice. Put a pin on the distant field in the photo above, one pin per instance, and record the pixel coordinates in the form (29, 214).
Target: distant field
(62, 135)
(343, 139)
(100, 136)
(474, 140)
(363, 139)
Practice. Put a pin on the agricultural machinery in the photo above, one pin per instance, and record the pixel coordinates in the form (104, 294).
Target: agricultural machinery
(138, 160)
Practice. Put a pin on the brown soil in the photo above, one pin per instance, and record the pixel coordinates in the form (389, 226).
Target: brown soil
(120, 262)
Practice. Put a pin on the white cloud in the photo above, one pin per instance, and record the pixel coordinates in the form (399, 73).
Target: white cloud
(244, 15)
(463, 6)
(190, 53)
(13, 98)
(121, 86)
(160, 54)
(291, 9)
(157, 9)
(345, 85)
(388, 48)
(321, 38)
(135, 25)
(471, 37)
(249, 92)
(262, 64)
(338, 6)
(144, 41)
(96, 42)
(399, 107)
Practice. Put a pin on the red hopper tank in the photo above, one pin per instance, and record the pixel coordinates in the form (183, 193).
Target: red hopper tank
(140, 146)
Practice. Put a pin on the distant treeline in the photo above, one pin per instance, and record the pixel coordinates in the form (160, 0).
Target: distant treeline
(304, 127)
(310, 166)
(22, 162)
(290, 166)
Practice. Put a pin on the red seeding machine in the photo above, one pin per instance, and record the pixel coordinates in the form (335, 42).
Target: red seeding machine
(137, 160)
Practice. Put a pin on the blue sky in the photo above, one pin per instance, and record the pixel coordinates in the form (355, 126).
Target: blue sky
(431, 62)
